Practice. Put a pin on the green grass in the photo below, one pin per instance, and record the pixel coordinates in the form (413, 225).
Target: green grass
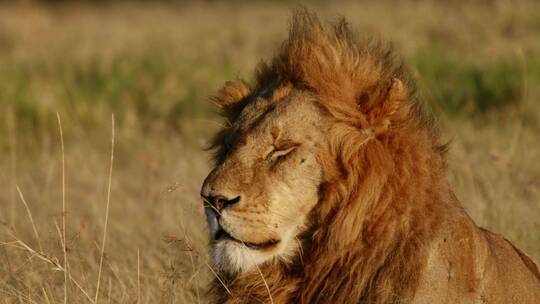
(151, 88)
(459, 87)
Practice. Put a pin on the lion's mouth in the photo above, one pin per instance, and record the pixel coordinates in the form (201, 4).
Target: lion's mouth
(221, 234)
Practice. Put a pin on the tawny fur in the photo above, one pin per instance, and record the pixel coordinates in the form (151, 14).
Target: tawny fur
(387, 228)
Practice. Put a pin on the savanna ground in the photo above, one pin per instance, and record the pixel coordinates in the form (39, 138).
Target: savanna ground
(154, 65)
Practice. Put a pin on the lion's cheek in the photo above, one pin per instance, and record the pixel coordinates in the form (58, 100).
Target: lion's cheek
(292, 201)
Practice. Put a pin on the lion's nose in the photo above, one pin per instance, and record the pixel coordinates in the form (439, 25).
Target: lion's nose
(218, 192)
(220, 202)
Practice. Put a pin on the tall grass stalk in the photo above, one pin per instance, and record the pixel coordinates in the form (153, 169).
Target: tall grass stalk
(104, 240)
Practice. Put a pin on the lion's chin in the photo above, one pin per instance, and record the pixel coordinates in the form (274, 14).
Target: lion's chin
(233, 256)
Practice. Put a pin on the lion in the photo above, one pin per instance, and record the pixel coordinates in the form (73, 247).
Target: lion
(330, 186)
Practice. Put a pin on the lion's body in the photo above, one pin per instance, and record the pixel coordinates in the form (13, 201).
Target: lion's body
(385, 227)
(467, 264)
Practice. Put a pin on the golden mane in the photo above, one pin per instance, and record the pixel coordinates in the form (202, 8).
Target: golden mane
(385, 199)
(348, 74)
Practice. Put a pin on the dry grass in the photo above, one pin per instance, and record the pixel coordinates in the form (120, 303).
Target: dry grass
(156, 246)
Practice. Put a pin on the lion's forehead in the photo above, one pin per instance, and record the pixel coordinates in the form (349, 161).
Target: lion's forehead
(253, 112)
(297, 113)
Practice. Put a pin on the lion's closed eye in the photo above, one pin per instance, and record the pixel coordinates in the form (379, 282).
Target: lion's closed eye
(279, 152)
(282, 149)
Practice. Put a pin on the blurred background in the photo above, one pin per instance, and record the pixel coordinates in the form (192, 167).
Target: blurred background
(153, 64)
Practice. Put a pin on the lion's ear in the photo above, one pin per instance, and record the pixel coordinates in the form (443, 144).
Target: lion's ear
(232, 98)
(394, 107)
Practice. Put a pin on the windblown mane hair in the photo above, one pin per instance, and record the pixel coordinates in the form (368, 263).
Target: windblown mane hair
(386, 172)
(351, 75)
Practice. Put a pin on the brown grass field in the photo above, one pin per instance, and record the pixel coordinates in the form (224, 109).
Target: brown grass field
(154, 65)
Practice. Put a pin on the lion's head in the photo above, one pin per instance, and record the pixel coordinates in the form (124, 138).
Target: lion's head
(292, 134)
(267, 178)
